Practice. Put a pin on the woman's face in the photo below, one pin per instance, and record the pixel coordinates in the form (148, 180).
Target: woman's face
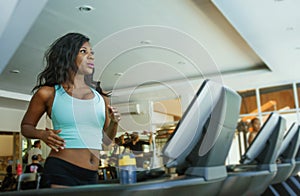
(256, 125)
(85, 59)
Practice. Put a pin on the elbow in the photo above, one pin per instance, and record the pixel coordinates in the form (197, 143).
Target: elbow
(22, 128)
(25, 129)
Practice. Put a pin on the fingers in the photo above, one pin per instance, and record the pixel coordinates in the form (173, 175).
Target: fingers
(53, 140)
(54, 148)
(114, 113)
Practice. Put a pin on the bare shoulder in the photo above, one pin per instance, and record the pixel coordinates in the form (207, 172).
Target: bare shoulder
(45, 93)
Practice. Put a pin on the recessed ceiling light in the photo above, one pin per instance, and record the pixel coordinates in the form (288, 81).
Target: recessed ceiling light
(85, 8)
(146, 42)
(119, 74)
(14, 71)
(290, 28)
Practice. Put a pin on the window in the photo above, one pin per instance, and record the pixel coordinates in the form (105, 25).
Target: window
(278, 98)
(248, 104)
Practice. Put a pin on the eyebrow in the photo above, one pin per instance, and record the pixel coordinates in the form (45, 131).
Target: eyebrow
(86, 48)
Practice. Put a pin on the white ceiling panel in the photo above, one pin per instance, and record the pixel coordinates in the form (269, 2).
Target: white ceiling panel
(154, 42)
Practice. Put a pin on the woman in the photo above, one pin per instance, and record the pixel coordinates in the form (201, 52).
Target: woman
(80, 114)
(255, 124)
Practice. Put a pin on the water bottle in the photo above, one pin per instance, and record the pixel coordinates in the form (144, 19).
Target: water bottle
(19, 169)
(127, 168)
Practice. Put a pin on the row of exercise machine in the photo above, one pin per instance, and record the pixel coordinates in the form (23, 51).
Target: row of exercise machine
(198, 149)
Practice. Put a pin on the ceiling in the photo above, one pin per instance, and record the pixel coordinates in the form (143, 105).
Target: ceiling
(142, 45)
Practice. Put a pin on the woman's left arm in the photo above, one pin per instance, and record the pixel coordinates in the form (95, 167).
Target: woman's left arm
(112, 120)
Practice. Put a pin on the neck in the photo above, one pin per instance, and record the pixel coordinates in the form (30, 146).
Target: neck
(78, 82)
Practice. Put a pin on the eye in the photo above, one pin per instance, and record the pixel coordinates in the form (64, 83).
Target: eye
(83, 51)
(92, 52)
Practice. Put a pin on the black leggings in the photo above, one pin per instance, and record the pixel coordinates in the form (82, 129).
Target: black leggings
(60, 172)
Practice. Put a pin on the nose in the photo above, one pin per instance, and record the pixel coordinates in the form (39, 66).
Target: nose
(91, 55)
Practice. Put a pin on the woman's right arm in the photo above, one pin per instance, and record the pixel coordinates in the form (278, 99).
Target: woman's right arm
(250, 138)
(37, 107)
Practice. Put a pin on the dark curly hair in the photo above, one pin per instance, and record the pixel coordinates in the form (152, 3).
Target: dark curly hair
(60, 63)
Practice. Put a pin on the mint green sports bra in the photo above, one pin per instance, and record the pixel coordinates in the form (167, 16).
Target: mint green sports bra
(80, 121)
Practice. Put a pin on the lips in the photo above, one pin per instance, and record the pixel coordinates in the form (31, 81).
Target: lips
(91, 65)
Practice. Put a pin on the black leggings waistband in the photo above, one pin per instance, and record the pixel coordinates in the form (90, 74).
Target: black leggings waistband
(61, 172)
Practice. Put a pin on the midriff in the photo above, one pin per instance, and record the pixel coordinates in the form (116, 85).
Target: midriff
(85, 158)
